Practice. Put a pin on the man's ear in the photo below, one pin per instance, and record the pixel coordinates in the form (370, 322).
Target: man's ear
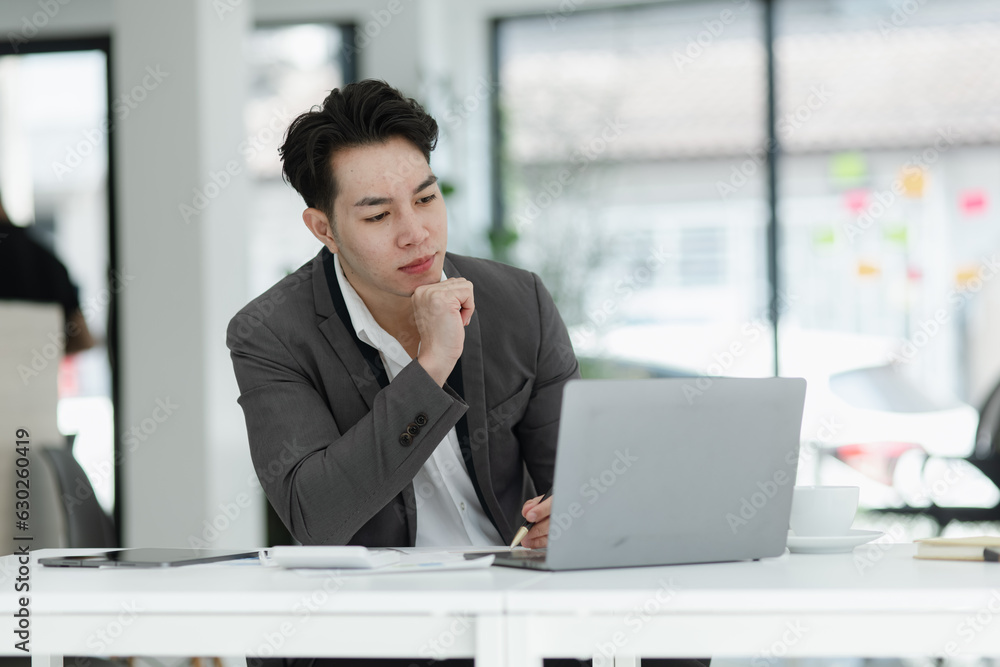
(320, 226)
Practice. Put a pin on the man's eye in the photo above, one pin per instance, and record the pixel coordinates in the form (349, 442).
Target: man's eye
(377, 218)
(428, 199)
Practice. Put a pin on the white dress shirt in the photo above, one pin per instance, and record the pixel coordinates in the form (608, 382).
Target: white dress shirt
(448, 511)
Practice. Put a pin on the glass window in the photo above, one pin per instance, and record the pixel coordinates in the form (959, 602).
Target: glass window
(633, 170)
(293, 67)
(54, 179)
(888, 189)
(633, 180)
(887, 180)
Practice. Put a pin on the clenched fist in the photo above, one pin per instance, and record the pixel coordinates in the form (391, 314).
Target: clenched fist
(442, 311)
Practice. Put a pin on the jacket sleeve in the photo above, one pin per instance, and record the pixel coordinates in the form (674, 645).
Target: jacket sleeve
(326, 482)
(556, 365)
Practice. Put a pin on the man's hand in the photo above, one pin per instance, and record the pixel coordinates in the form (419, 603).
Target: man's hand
(442, 311)
(538, 512)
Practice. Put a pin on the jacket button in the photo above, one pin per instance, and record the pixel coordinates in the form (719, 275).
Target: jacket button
(405, 439)
(413, 429)
(421, 420)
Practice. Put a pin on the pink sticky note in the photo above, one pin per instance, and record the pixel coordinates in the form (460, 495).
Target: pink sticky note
(856, 200)
(973, 202)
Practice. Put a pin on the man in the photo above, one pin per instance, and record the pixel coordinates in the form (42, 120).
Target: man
(396, 395)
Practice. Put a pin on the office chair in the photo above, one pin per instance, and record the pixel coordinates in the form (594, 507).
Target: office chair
(87, 524)
(29, 396)
(985, 456)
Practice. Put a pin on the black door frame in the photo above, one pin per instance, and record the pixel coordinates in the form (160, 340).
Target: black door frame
(97, 43)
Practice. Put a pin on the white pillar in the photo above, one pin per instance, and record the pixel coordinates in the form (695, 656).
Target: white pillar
(182, 193)
(388, 43)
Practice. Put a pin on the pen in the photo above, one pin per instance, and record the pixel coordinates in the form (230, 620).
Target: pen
(523, 530)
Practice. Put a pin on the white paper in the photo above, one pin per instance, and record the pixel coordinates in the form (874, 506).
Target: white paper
(428, 560)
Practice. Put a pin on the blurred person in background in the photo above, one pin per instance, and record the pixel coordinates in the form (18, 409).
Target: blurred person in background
(31, 272)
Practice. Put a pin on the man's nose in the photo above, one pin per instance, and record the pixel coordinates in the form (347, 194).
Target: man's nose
(412, 230)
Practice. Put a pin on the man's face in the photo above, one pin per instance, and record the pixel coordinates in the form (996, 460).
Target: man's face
(390, 226)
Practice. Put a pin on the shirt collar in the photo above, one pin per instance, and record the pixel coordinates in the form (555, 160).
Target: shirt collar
(365, 326)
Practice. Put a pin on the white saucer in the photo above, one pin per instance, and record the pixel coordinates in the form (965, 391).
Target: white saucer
(835, 544)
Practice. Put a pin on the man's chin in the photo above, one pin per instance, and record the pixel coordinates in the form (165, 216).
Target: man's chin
(421, 283)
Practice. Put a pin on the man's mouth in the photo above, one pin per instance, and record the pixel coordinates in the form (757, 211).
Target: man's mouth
(419, 265)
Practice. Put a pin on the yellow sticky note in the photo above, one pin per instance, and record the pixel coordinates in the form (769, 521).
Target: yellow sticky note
(914, 180)
(868, 269)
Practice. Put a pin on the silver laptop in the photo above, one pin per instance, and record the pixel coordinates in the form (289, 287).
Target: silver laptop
(669, 471)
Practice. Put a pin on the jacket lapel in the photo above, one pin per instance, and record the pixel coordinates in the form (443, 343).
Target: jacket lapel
(336, 327)
(473, 436)
(335, 324)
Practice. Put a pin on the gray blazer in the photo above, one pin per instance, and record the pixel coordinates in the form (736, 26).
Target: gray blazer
(336, 453)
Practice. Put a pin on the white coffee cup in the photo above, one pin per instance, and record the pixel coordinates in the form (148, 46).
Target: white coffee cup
(823, 511)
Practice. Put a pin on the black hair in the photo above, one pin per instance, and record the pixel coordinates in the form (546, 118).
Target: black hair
(362, 113)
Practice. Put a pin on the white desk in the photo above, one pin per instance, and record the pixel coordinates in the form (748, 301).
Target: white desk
(875, 602)
(878, 601)
(230, 609)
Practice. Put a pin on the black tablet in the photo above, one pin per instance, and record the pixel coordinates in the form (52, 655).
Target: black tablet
(147, 557)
